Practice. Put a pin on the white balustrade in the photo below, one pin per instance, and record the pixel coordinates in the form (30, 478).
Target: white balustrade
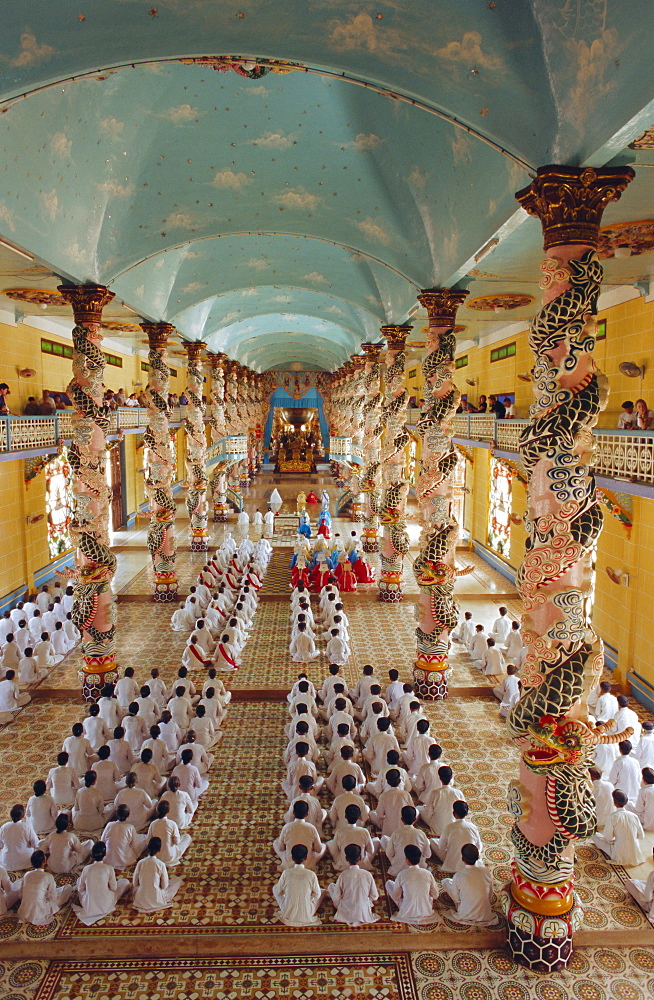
(460, 425)
(482, 426)
(627, 456)
(340, 447)
(65, 424)
(32, 432)
(508, 434)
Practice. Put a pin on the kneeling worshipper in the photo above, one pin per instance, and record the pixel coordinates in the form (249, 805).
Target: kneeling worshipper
(300, 571)
(325, 523)
(414, 890)
(152, 889)
(98, 888)
(345, 576)
(321, 571)
(363, 571)
(312, 497)
(297, 893)
(354, 893)
(40, 899)
(471, 890)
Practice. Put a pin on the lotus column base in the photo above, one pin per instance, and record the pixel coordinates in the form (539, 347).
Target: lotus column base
(199, 541)
(390, 588)
(541, 941)
(220, 511)
(165, 588)
(96, 672)
(431, 678)
(357, 511)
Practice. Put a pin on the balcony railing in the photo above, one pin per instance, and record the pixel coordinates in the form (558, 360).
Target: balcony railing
(342, 449)
(35, 433)
(233, 448)
(622, 455)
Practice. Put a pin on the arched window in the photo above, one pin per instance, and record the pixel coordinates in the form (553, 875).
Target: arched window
(58, 502)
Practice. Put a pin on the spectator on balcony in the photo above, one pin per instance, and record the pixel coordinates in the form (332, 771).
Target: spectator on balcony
(183, 400)
(496, 407)
(627, 419)
(48, 407)
(32, 408)
(58, 401)
(644, 417)
(132, 400)
(4, 392)
(120, 397)
(482, 405)
(508, 408)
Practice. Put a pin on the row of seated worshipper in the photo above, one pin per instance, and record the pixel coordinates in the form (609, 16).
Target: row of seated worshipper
(123, 784)
(131, 774)
(360, 729)
(332, 625)
(219, 620)
(35, 635)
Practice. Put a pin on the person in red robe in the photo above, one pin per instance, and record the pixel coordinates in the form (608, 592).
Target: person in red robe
(320, 573)
(363, 571)
(345, 577)
(300, 572)
(312, 497)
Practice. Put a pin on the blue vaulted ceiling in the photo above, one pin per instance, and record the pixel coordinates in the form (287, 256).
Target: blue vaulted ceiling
(298, 211)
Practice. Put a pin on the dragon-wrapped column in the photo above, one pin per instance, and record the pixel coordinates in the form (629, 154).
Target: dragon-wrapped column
(552, 801)
(218, 432)
(371, 450)
(94, 610)
(160, 464)
(196, 450)
(356, 431)
(395, 487)
(434, 567)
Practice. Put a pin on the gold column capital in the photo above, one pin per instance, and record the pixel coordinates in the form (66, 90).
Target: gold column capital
(372, 352)
(570, 201)
(87, 301)
(395, 336)
(158, 334)
(442, 305)
(194, 349)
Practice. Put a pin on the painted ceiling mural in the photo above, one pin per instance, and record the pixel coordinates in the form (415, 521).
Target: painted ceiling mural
(280, 179)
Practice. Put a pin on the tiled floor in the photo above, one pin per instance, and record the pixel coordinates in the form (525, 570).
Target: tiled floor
(229, 870)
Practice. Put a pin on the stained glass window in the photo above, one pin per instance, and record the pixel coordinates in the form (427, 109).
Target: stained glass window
(58, 502)
(499, 508)
(459, 492)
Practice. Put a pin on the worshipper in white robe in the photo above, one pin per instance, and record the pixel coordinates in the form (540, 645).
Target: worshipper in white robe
(6, 627)
(189, 777)
(179, 619)
(71, 630)
(59, 642)
(303, 648)
(301, 679)
(28, 670)
(316, 814)
(478, 645)
(644, 805)
(152, 888)
(148, 777)
(9, 895)
(427, 778)
(22, 636)
(40, 899)
(275, 501)
(501, 627)
(44, 652)
(171, 733)
(606, 706)
(354, 892)
(378, 745)
(299, 831)
(464, 631)
(644, 752)
(351, 832)
(437, 810)
(120, 752)
(622, 833)
(173, 843)
(492, 663)
(243, 523)
(361, 689)
(416, 753)
(414, 890)
(108, 777)
(297, 893)
(62, 782)
(17, 841)
(394, 690)
(471, 890)
(98, 889)
(407, 833)
(139, 803)
(180, 709)
(508, 692)
(643, 892)
(301, 764)
(379, 785)
(182, 807)
(124, 844)
(344, 764)
(80, 752)
(626, 718)
(64, 849)
(347, 796)
(41, 811)
(603, 792)
(11, 654)
(199, 755)
(625, 774)
(126, 689)
(455, 835)
(136, 729)
(226, 657)
(514, 650)
(89, 811)
(43, 599)
(338, 650)
(11, 699)
(388, 814)
(96, 729)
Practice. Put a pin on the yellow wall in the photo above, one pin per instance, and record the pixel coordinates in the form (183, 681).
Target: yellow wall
(24, 547)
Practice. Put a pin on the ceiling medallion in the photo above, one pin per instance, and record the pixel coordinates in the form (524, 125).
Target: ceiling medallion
(37, 296)
(498, 303)
(626, 239)
(118, 327)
